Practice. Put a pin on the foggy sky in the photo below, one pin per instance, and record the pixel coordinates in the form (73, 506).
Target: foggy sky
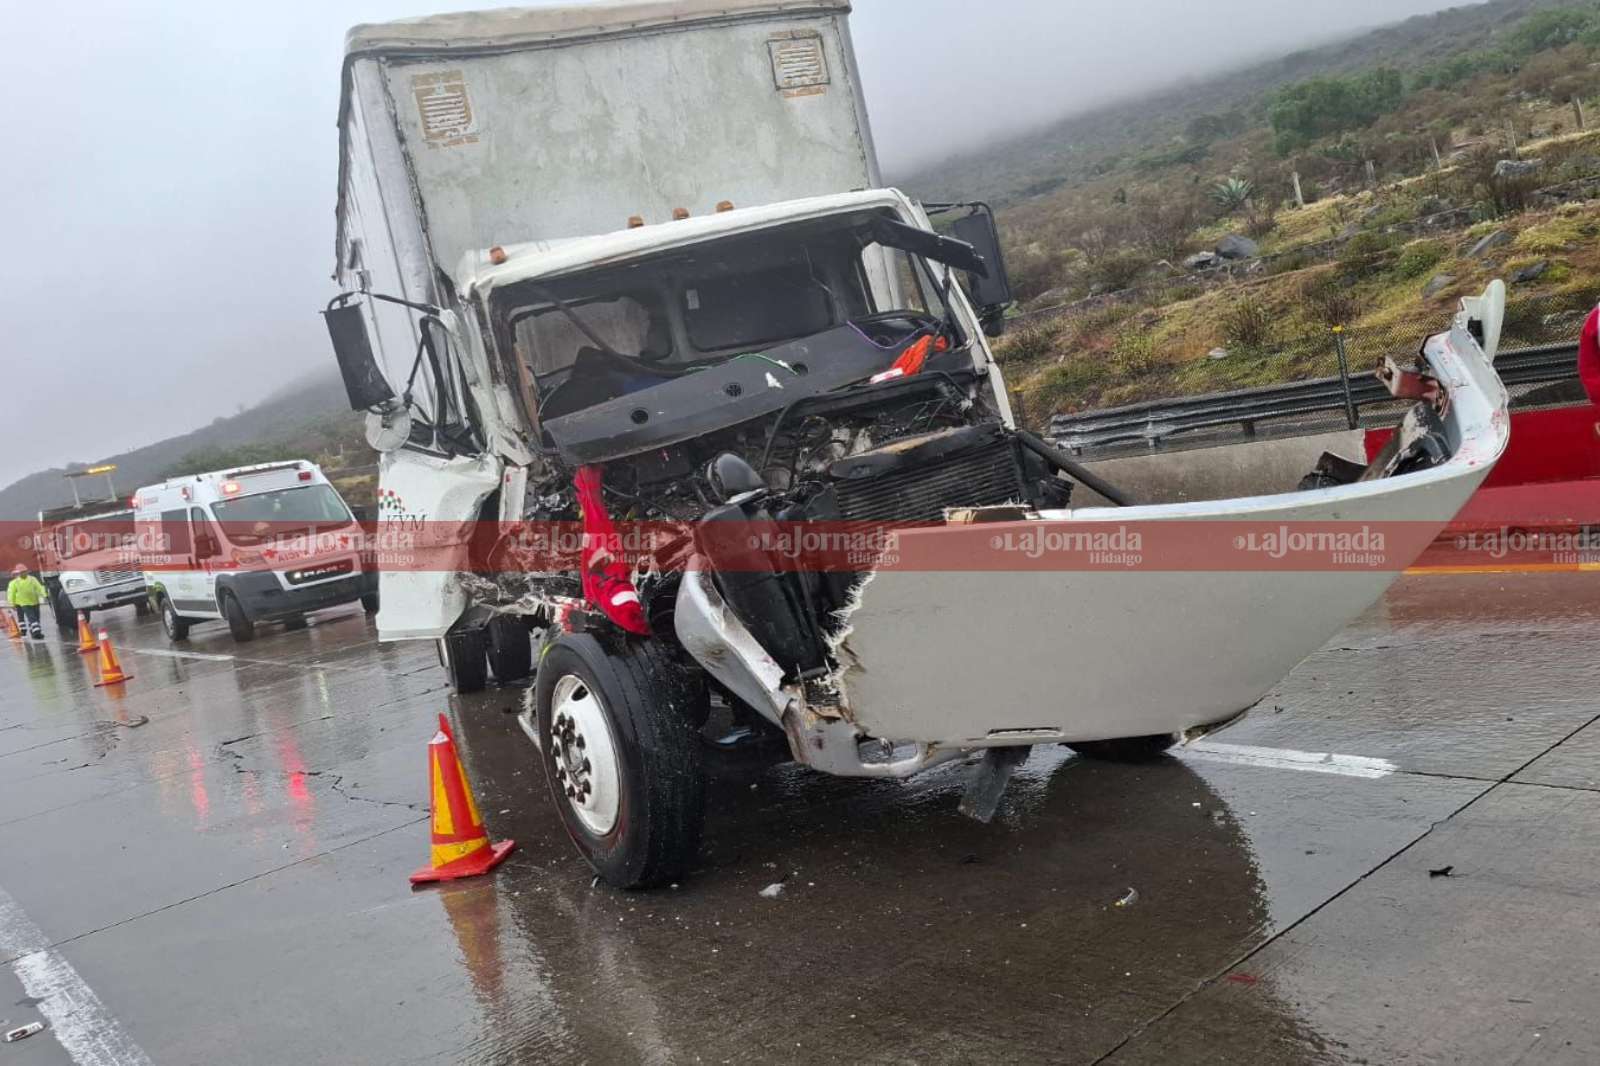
(169, 183)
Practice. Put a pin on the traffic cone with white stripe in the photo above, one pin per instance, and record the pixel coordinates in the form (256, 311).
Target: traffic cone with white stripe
(461, 846)
(110, 669)
(13, 630)
(85, 634)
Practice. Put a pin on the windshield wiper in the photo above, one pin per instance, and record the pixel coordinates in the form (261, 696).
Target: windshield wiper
(572, 316)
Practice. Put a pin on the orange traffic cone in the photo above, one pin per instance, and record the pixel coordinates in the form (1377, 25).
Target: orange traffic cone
(85, 634)
(461, 846)
(13, 630)
(110, 670)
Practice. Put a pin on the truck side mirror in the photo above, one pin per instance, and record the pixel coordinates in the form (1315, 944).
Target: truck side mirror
(205, 545)
(992, 292)
(364, 383)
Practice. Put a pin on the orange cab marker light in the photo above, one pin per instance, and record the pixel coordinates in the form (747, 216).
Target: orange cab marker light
(497, 255)
(635, 221)
(230, 488)
(679, 214)
(724, 205)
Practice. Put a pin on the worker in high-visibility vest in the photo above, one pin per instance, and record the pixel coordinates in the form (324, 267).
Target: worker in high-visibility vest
(25, 594)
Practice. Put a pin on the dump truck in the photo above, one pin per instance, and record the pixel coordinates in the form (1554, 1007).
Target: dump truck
(686, 416)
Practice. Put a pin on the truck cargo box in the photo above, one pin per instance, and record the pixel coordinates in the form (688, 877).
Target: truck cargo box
(463, 131)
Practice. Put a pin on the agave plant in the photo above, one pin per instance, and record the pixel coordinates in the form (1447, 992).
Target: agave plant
(1232, 193)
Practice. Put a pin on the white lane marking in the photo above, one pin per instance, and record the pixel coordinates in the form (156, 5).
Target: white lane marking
(82, 1025)
(1317, 762)
(182, 655)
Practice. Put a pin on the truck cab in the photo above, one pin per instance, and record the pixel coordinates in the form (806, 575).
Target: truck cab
(89, 560)
(253, 545)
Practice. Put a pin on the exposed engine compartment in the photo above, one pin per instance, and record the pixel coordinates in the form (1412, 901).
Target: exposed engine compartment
(900, 452)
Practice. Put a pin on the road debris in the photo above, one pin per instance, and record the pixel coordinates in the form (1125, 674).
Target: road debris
(22, 1032)
(1129, 900)
(1243, 978)
(772, 891)
(1443, 871)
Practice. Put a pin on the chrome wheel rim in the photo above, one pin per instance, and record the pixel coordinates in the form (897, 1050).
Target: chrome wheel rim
(584, 754)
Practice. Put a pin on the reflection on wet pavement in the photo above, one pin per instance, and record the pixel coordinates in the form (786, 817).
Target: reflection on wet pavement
(221, 850)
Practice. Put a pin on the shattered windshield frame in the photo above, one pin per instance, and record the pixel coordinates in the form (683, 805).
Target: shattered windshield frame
(586, 337)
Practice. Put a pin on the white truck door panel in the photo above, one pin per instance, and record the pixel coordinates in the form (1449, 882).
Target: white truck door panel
(427, 514)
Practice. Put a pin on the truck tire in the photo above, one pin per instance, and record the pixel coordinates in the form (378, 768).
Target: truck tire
(510, 649)
(622, 757)
(141, 608)
(61, 607)
(239, 623)
(297, 622)
(176, 626)
(369, 603)
(465, 658)
(1125, 749)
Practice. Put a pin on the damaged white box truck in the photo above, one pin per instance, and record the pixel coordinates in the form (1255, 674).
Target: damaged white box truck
(628, 271)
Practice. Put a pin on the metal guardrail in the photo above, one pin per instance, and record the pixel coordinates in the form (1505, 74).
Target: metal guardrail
(1315, 406)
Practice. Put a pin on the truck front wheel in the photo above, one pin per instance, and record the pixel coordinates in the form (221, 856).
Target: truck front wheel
(622, 757)
(61, 607)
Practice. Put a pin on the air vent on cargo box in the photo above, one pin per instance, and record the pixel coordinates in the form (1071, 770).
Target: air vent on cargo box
(445, 108)
(799, 67)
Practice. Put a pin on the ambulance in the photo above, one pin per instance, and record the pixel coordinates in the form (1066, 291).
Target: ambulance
(249, 546)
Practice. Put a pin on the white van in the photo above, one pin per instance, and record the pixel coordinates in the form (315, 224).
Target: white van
(264, 543)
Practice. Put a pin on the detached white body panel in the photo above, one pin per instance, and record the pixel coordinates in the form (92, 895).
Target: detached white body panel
(964, 659)
(426, 513)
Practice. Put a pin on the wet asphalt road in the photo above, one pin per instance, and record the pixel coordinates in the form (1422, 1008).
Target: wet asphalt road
(210, 867)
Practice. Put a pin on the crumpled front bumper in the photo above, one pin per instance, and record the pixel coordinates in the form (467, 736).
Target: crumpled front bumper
(936, 662)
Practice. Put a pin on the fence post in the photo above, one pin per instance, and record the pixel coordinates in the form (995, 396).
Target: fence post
(1344, 378)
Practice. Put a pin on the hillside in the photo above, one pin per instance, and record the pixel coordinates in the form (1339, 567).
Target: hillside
(1216, 235)
(310, 419)
(1132, 135)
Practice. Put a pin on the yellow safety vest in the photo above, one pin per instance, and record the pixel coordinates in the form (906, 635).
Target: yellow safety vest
(25, 591)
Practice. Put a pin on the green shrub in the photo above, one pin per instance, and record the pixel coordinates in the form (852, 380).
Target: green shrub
(1030, 342)
(1066, 385)
(1248, 325)
(1417, 259)
(1311, 109)
(1118, 270)
(1362, 252)
(1135, 352)
(1328, 300)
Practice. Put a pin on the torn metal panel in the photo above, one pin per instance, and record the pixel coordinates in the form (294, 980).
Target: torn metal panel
(967, 658)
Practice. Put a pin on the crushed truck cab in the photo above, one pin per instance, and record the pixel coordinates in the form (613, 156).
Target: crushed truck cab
(688, 419)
